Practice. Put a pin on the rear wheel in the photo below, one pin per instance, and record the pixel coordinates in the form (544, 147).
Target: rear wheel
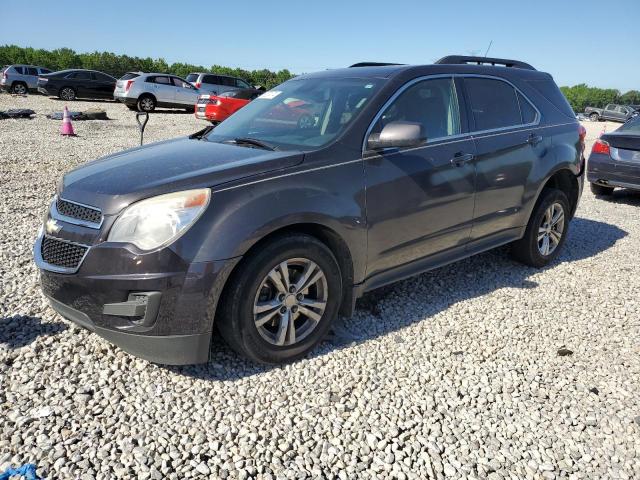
(546, 231)
(594, 117)
(19, 88)
(601, 189)
(67, 93)
(282, 300)
(146, 103)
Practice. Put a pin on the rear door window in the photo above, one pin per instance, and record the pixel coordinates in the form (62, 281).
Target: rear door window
(32, 71)
(160, 80)
(228, 81)
(211, 79)
(81, 76)
(493, 103)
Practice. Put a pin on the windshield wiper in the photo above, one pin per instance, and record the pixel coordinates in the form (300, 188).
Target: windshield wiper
(254, 142)
(200, 134)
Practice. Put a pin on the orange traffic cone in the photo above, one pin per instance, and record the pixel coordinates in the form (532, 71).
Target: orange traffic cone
(66, 128)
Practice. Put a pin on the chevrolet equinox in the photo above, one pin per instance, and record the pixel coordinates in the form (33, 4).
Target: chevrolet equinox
(270, 228)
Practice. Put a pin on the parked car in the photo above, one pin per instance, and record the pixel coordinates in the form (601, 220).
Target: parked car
(217, 108)
(613, 112)
(216, 84)
(271, 230)
(77, 83)
(615, 159)
(21, 79)
(146, 91)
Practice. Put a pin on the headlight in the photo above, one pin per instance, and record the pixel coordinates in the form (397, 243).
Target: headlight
(160, 220)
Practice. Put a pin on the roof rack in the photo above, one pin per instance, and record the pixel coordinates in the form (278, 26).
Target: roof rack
(465, 60)
(372, 64)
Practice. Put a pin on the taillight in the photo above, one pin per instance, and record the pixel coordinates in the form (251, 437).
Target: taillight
(602, 147)
(128, 85)
(198, 84)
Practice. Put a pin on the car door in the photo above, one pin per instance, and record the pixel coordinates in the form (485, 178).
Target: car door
(610, 113)
(508, 143)
(623, 113)
(163, 89)
(81, 82)
(104, 85)
(420, 200)
(31, 77)
(186, 94)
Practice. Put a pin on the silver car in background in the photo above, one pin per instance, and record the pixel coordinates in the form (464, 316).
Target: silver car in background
(146, 91)
(216, 84)
(20, 79)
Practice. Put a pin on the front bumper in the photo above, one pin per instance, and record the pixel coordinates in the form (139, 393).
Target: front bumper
(179, 331)
(603, 170)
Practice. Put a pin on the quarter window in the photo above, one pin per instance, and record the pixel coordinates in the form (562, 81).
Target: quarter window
(493, 103)
(529, 114)
(431, 103)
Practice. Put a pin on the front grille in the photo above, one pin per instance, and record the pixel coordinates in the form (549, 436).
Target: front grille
(62, 254)
(73, 210)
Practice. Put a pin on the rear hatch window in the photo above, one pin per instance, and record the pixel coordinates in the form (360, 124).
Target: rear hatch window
(129, 76)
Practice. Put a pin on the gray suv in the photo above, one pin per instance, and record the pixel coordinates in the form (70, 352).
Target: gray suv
(21, 79)
(269, 228)
(146, 91)
(216, 84)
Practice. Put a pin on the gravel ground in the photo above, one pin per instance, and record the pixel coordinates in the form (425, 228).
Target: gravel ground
(454, 374)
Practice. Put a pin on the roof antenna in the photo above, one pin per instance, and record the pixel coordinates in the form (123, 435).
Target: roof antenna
(487, 52)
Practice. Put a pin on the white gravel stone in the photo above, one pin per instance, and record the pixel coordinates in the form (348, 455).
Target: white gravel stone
(453, 373)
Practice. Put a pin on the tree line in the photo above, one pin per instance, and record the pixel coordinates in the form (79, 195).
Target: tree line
(118, 65)
(582, 96)
(579, 96)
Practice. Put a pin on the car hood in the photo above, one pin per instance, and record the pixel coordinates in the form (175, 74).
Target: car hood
(115, 181)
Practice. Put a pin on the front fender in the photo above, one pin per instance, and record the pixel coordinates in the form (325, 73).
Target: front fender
(241, 215)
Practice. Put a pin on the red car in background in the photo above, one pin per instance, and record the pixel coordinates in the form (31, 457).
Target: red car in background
(217, 108)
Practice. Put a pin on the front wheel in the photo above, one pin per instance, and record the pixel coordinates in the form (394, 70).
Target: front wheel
(546, 231)
(601, 189)
(282, 300)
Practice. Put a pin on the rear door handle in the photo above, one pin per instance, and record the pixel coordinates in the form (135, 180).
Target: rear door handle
(461, 158)
(534, 139)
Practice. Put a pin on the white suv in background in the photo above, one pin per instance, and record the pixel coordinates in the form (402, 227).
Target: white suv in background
(217, 84)
(146, 91)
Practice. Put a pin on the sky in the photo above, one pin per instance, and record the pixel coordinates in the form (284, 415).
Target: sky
(586, 41)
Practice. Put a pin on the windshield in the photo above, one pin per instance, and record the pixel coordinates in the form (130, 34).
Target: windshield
(632, 126)
(299, 114)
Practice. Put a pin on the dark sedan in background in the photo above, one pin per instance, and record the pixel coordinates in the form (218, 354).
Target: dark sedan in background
(72, 84)
(615, 159)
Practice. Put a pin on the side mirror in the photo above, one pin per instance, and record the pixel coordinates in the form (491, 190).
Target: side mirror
(399, 135)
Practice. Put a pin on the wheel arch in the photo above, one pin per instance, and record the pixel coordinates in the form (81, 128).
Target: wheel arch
(326, 235)
(565, 181)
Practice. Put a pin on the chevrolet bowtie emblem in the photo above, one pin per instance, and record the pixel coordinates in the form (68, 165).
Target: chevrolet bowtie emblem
(52, 226)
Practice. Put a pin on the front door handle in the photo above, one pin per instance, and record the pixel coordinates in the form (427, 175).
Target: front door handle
(534, 139)
(460, 158)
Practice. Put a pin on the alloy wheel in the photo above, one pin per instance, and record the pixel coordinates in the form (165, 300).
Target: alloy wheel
(290, 301)
(146, 104)
(551, 229)
(19, 89)
(67, 94)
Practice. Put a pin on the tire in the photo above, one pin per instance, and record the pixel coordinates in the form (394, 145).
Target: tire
(601, 189)
(251, 286)
(67, 93)
(594, 117)
(19, 88)
(530, 248)
(146, 103)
